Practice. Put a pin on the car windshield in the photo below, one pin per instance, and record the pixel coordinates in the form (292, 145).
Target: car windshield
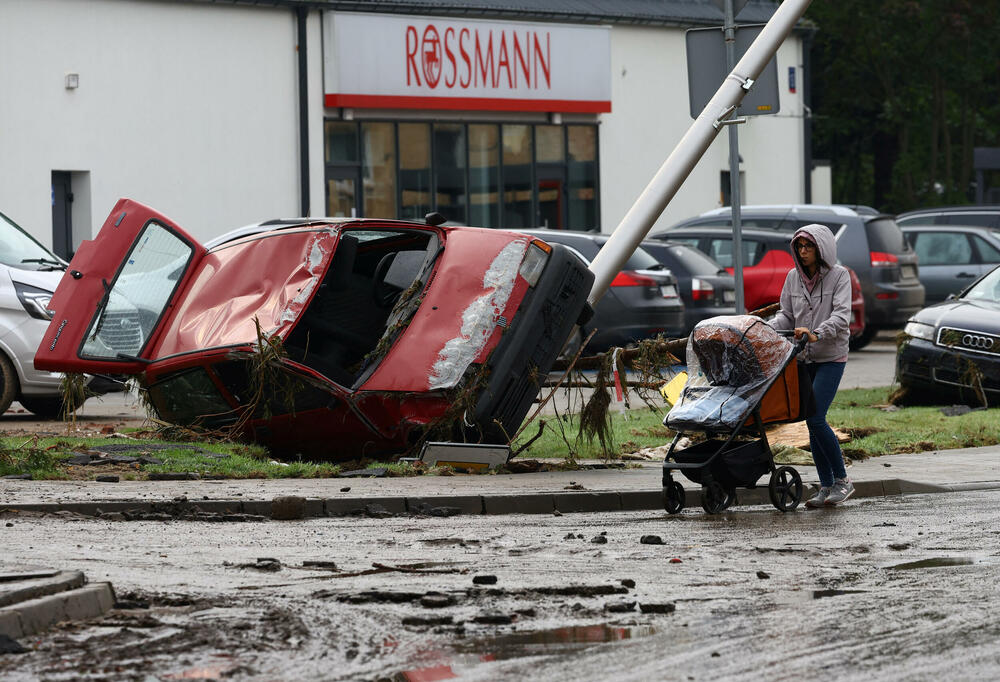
(133, 303)
(986, 290)
(19, 250)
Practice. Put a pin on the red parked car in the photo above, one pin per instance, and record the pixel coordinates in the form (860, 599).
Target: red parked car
(387, 329)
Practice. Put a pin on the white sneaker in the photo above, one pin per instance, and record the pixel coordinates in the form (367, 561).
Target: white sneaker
(841, 490)
(819, 498)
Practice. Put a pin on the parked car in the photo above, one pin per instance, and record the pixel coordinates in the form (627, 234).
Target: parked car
(871, 244)
(643, 299)
(331, 338)
(983, 216)
(952, 256)
(706, 287)
(767, 258)
(953, 348)
(29, 274)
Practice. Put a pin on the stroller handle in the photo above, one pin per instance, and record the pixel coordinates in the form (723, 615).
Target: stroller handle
(800, 344)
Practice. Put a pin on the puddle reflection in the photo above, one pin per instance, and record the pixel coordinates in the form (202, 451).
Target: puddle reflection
(471, 653)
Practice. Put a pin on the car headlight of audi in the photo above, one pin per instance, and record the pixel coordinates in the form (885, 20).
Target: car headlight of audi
(919, 330)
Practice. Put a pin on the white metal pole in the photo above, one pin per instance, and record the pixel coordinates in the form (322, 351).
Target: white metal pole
(661, 189)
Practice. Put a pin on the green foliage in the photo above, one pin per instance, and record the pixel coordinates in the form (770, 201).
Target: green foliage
(903, 90)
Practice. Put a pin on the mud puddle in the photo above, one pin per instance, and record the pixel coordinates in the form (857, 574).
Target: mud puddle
(935, 562)
(466, 656)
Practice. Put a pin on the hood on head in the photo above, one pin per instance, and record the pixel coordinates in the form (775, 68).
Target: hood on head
(823, 238)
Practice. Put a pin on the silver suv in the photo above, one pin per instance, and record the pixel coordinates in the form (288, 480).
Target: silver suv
(29, 274)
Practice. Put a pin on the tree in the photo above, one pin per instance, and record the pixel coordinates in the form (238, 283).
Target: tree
(903, 91)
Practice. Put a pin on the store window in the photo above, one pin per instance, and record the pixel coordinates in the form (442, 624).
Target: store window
(414, 171)
(484, 174)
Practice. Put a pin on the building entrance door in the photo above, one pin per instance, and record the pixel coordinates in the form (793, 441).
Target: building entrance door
(62, 214)
(551, 186)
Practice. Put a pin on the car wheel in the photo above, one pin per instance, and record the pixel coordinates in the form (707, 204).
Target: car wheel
(8, 383)
(864, 338)
(49, 408)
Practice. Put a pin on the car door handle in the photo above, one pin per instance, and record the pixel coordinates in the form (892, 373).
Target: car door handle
(965, 275)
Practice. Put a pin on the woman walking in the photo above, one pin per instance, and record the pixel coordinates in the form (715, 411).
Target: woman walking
(816, 302)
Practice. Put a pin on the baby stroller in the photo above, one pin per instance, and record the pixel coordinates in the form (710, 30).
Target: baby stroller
(742, 375)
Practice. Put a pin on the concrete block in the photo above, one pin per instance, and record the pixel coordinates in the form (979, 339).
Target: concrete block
(915, 488)
(587, 502)
(218, 506)
(519, 504)
(868, 489)
(468, 504)
(17, 591)
(891, 487)
(342, 506)
(10, 623)
(256, 507)
(639, 500)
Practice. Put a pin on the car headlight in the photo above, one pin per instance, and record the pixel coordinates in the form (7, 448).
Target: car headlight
(534, 261)
(919, 330)
(35, 301)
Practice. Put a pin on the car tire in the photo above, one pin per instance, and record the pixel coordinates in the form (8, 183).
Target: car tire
(49, 408)
(8, 383)
(864, 338)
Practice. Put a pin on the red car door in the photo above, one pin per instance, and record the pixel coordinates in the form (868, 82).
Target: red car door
(107, 308)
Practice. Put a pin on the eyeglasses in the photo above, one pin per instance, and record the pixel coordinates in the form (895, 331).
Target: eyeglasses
(805, 246)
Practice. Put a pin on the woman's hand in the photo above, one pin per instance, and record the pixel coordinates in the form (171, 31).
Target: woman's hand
(799, 331)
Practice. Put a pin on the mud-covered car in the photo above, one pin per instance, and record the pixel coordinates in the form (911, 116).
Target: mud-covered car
(332, 338)
(951, 351)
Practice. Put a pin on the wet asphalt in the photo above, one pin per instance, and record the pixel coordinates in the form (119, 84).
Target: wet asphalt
(900, 587)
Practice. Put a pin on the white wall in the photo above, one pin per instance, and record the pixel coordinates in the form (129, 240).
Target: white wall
(650, 114)
(189, 108)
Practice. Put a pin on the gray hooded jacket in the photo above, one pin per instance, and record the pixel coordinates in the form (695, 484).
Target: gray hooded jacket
(826, 310)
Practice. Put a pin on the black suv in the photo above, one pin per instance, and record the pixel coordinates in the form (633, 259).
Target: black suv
(868, 242)
(642, 301)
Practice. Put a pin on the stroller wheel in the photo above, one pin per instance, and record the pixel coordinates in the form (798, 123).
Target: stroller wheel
(785, 489)
(673, 497)
(714, 498)
(730, 498)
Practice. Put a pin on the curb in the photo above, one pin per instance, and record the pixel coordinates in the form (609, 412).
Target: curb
(451, 505)
(35, 615)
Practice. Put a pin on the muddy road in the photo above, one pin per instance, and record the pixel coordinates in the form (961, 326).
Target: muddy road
(888, 588)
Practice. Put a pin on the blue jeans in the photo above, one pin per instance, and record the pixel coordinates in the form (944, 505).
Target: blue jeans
(825, 447)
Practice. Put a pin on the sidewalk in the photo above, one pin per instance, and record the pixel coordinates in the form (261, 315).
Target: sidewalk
(589, 490)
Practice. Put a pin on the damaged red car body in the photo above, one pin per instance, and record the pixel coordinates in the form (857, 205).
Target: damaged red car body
(381, 330)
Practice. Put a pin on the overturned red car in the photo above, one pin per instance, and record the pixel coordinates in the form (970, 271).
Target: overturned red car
(330, 338)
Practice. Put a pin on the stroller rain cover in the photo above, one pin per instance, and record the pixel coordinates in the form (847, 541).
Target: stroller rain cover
(731, 360)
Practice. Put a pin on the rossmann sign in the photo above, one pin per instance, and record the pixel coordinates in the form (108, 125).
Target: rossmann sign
(402, 62)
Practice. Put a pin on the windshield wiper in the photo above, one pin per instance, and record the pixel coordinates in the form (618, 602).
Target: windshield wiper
(57, 265)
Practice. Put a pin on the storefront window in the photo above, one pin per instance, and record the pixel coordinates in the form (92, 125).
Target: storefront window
(378, 146)
(484, 175)
(549, 144)
(414, 170)
(341, 142)
(449, 171)
(582, 177)
(517, 186)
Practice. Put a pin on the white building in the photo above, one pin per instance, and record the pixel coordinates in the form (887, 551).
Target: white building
(224, 113)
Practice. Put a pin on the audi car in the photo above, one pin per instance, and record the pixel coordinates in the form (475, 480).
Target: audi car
(951, 351)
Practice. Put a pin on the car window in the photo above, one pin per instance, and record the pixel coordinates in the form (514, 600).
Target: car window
(697, 262)
(987, 252)
(884, 235)
(639, 260)
(977, 219)
(986, 289)
(19, 250)
(691, 242)
(942, 248)
(721, 250)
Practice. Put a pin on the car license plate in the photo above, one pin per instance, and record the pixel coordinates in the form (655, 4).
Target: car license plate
(668, 291)
(729, 296)
(909, 271)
